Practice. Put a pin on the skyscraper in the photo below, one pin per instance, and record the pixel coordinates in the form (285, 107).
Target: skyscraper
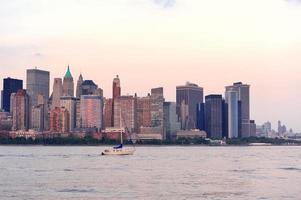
(125, 112)
(88, 87)
(20, 110)
(68, 85)
(243, 91)
(171, 124)
(59, 120)
(144, 112)
(37, 84)
(70, 104)
(78, 86)
(213, 116)
(107, 110)
(231, 97)
(188, 96)
(116, 87)
(10, 86)
(157, 100)
(39, 118)
(57, 92)
(91, 107)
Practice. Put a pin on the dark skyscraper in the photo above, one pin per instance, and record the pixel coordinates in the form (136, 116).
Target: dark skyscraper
(200, 116)
(10, 86)
(214, 116)
(188, 96)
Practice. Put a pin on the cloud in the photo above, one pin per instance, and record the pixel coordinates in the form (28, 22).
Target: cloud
(165, 3)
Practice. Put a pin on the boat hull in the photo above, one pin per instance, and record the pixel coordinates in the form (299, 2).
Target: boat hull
(117, 152)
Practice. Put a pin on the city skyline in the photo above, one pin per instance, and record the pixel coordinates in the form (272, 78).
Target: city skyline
(212, 44)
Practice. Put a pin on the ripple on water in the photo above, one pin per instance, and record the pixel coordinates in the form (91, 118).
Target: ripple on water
(77, 190)
(291, 169)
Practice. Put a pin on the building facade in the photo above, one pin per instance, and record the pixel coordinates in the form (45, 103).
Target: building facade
(78, 86)
(213, 116)
(91, 110)
(57, 92)
(188, 96)
(171, 124)
(20, 110)
(10, 86)
(37, 84)
(69, 103)
(68, 84)
(59, 120)
(231, 97)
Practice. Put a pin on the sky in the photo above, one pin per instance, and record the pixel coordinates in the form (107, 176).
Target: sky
(152, 43)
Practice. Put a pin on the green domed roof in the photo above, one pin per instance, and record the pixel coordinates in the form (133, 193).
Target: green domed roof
(68, 73)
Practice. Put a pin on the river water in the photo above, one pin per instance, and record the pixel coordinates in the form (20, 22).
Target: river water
(154, 172)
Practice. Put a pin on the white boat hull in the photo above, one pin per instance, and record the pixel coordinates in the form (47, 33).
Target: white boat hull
(120, 152)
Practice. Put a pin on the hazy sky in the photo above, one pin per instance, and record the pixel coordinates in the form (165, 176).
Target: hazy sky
(152, 43)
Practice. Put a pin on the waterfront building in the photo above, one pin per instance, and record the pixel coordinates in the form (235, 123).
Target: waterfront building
(70, 104)
(190, 134)
(170, 118)
(91, 111)
(57, 92)
(59, 120)
(188, 96)
(37, 84)
(213, 116)
(20, 110)
(88, 87)
(108, 112)
(156, 109)
(39, 112)
(68, 85)
(243, 91)
(125, 113)
(231, 98)
(200, 116)
(10, 86)
(252, 128)
(78, 86)
(144, 112)
(116, 93)
(78, 120)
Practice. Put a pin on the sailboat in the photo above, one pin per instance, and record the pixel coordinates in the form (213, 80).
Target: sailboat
(120, 150)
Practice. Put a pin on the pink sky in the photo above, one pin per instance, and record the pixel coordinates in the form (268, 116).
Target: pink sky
(151, 43)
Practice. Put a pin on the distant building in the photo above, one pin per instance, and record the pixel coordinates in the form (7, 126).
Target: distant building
(213, 116)
(252, 128)
(125, 113)
(91, 110)
(150, 133)
(156, 109)
(188, 96)
(243, 91)
(78, 120)
(108, 113)
(144, 112)
(59, 120)
(37, 84)
(70, 104)
(191, 134)
(39, 118)
(20, 110)
(116, 93)
(200, 116)
(88, 87)
(171, 124)
(10, 86)
(231, 98)
(68, 85)
(57, 92)
(78, 86)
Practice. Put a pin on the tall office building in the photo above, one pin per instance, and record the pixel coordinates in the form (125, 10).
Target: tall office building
(171, 124)
(10, 86)
(116, 93)
(78, 86)
(68, 85)
(213, 116)
(157, 100)
(125, 112)
(70, 104)
(200, 116)
(116, 87)
(57, 92)
(88, 87)
(243, 91)
(59, 120)
(20, 110)
(107, 110)
(91, 107)
(144, 112)
(39, 112)
(188, 96)
(37, 84)
(78, 120)
(231, 97)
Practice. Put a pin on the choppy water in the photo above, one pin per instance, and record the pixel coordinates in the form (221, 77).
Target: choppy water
(40, 172)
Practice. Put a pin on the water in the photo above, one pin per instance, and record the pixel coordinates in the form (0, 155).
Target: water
(38, 172)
